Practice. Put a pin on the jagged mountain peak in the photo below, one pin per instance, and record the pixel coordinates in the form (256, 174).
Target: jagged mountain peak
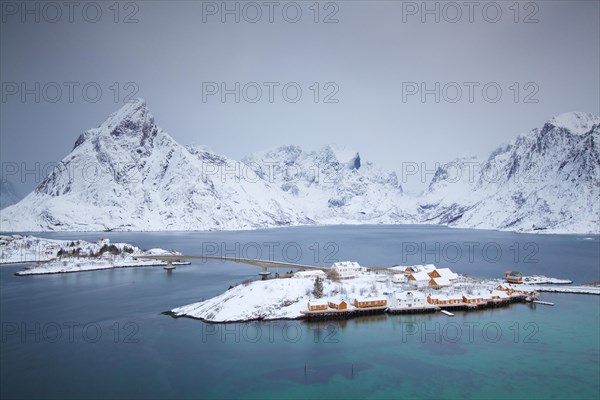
(133, 120)
(286, 154)
(576, 122)
(339, 153)
(330, 155)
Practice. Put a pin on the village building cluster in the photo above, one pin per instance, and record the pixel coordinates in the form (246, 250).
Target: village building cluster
(418, 288)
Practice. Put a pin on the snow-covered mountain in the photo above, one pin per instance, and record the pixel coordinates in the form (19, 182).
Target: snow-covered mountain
(8, 196)
(547, 179)
(128, 174)
(333, 185)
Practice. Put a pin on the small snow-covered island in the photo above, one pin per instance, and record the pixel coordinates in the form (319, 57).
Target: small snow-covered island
(51, 256)
(347, 289)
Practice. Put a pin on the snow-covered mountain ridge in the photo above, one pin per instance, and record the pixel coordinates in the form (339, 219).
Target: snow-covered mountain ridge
(128, 174)
(545, 180)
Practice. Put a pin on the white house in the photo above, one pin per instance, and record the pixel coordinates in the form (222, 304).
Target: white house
(347, 269)
(410, 299)
(399, 278)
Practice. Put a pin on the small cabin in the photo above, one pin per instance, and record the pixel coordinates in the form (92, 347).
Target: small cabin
(338, 304)
(370, 302)
(513, 277)
(317, 306)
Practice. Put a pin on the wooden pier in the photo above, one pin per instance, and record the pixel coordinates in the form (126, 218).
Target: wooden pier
(412, 310)
(546, 303)
(342, 314)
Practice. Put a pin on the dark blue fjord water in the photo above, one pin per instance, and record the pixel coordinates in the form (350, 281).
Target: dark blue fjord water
(102, 335)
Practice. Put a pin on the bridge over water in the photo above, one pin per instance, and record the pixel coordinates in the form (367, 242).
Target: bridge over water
(263, 264)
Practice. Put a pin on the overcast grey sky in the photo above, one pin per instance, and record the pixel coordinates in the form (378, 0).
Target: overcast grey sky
(371, 56)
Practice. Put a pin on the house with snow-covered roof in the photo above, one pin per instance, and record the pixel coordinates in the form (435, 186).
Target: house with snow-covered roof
(348, 269)
(317, 305)
(368, 302)
(338, 304)
(499, 295)
(445, 273)
(472, 299)
(427, 268)
(513, 277)
(506, 287)
(409, 299)
(419, 278)
(439, 282)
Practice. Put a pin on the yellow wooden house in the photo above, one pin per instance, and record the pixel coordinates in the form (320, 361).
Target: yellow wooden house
(370, 302)
(317, 305)
(338, 304)
(513, 276)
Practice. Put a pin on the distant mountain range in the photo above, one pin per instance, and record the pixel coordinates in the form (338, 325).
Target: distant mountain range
(128, 174)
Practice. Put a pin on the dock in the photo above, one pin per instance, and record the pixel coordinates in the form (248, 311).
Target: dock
(413, 310)
(546, 303)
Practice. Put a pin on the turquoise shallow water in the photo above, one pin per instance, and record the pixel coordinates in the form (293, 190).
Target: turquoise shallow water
(114, 341)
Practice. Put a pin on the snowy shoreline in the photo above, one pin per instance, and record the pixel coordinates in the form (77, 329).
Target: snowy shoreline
(589, 235)
(52, 256)
(72, 269)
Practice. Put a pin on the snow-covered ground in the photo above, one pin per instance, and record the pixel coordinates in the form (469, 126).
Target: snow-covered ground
(80, 264)
(280, 298)
(540, 279)
(61, 256)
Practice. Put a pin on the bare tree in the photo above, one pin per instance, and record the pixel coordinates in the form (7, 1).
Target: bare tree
(333, 275)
